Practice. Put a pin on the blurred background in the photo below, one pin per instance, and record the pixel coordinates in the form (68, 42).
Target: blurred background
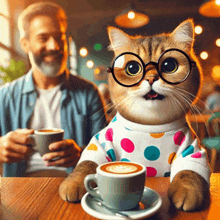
(88, 40)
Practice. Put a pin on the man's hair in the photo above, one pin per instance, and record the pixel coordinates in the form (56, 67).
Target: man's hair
(50, 9)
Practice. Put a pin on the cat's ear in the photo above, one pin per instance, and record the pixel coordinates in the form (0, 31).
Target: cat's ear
(184, 33)
(120, 41)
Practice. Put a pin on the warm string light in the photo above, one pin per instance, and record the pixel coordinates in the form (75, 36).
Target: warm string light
(217, 42)
(131, 15)
(90, 64)
(217, 2)
(97, 71)
(216, 73)
(204, 55)
(83, 52)
(198, 29)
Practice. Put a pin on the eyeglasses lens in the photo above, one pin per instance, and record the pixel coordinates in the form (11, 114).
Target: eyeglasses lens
(128, 69)
(174, 66)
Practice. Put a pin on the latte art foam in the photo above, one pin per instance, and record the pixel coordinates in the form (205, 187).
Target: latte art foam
(121, 168)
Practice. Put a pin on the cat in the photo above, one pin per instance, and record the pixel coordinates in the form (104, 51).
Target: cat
(153, 82)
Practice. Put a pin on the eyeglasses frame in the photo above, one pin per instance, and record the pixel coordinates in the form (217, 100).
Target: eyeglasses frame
(111, 69)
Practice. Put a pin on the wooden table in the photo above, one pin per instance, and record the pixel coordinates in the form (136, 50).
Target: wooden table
(38, 198)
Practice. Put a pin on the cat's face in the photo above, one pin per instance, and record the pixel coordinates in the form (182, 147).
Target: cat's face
(152, 100)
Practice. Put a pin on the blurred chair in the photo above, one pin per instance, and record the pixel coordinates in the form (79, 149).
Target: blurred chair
(213, 141)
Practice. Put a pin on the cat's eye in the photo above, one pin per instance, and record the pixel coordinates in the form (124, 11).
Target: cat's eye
(169, 65)
(133, 68)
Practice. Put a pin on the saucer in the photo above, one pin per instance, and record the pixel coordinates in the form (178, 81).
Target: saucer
(150, 203)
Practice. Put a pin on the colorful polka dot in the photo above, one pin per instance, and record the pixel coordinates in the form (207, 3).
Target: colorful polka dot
(151, 172)
(197, 155)
(97, 136)
(92, 147)
(108, 159)
(103, 144)
(109, 135)
(157, 135)
(171, 157)
(111, 154)
(179, 138)
(189, 150)
(114, 119)
(127, 145)
(167, 174)
(151, 153)
(124, 159)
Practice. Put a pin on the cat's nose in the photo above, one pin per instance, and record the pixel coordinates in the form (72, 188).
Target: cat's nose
(151, 79)
(151, 74)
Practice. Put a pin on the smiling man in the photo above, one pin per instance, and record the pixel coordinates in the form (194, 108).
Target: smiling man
(48, 96)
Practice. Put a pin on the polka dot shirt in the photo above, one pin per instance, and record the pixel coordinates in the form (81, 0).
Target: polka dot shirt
(163, 149)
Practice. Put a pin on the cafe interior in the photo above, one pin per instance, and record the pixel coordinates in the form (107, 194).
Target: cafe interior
(88, 43)
(89, 56)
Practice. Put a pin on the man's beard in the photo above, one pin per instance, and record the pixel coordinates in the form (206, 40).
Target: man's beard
(51, 69)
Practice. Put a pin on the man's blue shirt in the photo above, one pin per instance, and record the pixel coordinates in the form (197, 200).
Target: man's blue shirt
(82, 113)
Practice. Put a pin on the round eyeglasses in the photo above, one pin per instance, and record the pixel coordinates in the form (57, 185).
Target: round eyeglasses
(173, 67)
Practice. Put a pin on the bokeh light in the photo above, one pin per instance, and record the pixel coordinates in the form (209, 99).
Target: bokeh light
(204, 55)
(217, 42)
(216, 73)
(97, 47)
(83, 52)
(217, 2)
(131, 15)
(90, 64)
(97, 71)
(198, 29)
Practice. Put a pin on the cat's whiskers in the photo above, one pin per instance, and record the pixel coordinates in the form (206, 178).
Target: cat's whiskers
(119, 101)
(128, 101)
(105, 109)
(106, 106)
(169, 92)
(173, 96)
(200, 112)
(193, 107)
(100, 118)
(109, 106)
(187, 100)
(175, 104)
(122, 101)
(198, 100)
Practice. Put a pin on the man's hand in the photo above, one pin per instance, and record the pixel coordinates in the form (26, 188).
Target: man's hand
(13, 146)
(65, 153)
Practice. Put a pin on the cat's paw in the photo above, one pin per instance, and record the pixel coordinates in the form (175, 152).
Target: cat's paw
(189, 191)
(72, 189)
